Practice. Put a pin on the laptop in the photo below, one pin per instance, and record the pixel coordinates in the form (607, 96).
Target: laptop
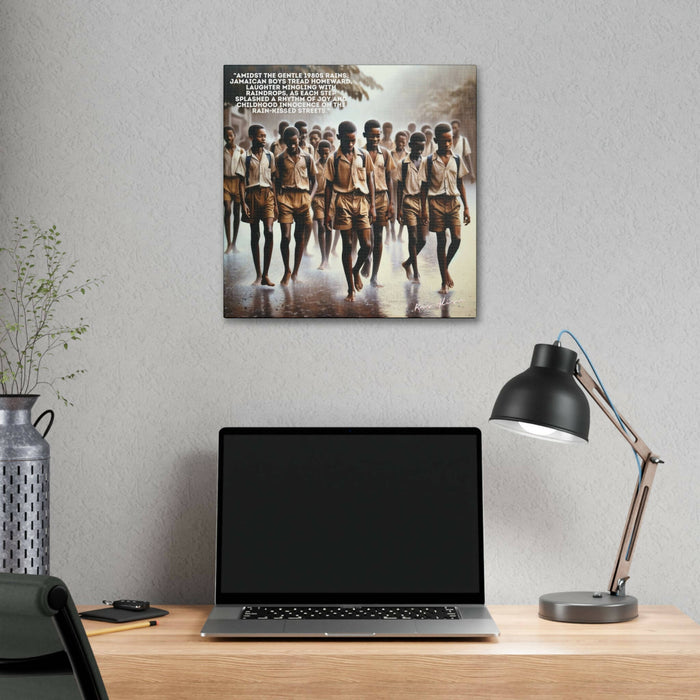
(349, 533)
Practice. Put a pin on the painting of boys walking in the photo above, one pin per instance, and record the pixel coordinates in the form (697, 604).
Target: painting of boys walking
(349, 191)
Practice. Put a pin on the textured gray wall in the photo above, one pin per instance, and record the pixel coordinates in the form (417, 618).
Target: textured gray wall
(588, 202)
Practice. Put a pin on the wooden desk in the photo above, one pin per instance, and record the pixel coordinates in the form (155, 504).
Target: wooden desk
(655, 656)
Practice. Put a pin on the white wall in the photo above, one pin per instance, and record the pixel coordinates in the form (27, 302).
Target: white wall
(588, 219)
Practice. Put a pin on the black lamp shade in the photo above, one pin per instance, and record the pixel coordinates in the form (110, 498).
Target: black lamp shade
(545, 401)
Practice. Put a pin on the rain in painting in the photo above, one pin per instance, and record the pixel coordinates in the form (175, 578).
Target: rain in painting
(349, 191)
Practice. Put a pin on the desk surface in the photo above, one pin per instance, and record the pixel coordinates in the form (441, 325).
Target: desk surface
(656, 655)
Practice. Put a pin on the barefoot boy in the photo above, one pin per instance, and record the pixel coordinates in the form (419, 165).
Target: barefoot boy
(233, 188)
(323, 233)
(383, 166)
(296, 185)
(398, 153)
(314, 138)
(349, 175)
(409, 203)
(260, 203)
(441, 185)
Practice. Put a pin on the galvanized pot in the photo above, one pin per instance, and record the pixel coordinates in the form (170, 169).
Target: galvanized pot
(24, 479)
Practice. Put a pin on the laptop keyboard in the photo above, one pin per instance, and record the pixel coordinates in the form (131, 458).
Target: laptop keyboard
(362, 612)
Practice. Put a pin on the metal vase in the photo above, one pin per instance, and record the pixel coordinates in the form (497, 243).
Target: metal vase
(24, 478)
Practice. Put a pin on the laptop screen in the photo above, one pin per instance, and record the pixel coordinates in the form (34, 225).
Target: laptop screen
(352, 515)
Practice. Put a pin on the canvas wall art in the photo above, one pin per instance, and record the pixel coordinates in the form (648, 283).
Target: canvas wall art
(349, 191)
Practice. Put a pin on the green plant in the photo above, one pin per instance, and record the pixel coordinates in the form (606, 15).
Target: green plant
(30, 333)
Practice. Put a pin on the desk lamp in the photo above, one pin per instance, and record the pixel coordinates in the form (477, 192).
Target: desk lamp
(546, 402)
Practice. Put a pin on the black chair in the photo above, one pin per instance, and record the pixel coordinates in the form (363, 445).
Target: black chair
(44, 652)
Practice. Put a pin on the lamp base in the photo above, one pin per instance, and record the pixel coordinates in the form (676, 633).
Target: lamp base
(587, 607)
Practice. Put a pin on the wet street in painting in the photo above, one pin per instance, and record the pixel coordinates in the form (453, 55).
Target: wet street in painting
(321, 294)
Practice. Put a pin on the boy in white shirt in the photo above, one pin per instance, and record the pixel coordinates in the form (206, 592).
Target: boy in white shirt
(233, 187)
(441, 190)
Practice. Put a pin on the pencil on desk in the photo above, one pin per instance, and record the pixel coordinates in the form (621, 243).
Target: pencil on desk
(123, 628)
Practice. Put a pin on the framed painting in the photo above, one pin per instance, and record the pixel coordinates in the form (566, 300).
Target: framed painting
(349, 191)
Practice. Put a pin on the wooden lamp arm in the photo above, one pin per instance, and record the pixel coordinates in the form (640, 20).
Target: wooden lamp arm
(639, 499)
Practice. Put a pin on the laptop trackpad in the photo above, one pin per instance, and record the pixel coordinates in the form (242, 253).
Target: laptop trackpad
(350, 628)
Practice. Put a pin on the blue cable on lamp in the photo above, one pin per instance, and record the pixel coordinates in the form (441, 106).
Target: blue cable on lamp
(602, 386)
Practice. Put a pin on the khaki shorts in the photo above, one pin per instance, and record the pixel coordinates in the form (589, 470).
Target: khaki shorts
(444, 213)
(351, 212)
(261, 203)
(410, 210)
(318, 204)
(381, 206)
(231, 191)
(293, 205)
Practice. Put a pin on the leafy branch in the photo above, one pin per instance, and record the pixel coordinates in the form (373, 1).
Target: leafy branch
(42, 278)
